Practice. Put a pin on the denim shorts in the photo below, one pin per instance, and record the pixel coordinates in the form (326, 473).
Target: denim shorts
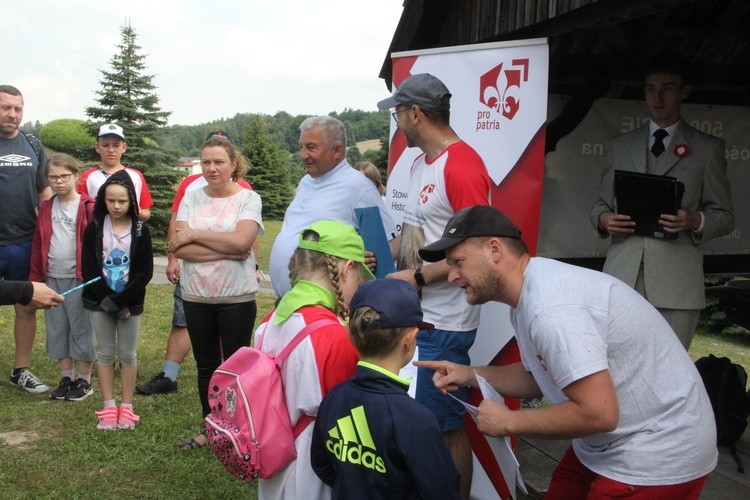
(435, 345)
(15, 261)
(178, 316)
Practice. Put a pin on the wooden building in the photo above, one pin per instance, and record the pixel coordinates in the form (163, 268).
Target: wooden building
(597, 49)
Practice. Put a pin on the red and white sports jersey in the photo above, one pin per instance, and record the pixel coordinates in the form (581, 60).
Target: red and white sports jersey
(195, 181)
(455, 179)
(92, 179)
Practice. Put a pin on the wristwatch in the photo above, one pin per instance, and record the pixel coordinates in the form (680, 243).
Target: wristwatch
(419, 278)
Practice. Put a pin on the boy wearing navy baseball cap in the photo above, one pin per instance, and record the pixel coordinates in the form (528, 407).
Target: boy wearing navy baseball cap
(370, 436)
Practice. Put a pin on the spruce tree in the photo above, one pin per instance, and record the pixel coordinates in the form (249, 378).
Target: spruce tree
(128, 98)
(268, 172)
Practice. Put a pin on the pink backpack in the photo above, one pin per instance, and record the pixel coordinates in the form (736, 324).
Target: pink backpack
(249, 428)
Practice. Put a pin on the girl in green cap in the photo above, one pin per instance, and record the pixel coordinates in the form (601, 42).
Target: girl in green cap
(325, 271)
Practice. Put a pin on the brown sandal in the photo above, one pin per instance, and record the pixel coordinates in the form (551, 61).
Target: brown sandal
(193, 443)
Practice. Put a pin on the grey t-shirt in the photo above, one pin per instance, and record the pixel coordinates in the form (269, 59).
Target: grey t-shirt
(61, 260)
(21, 179)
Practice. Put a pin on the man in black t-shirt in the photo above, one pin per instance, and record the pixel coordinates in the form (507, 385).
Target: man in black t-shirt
(23, 188)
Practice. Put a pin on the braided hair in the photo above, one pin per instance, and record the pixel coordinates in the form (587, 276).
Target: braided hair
(306, 263)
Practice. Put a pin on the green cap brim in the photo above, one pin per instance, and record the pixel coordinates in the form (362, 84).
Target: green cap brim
(365, 272)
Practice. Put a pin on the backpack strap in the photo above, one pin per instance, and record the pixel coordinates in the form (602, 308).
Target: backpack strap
(305, 419)
(35, 145)
(307, 330)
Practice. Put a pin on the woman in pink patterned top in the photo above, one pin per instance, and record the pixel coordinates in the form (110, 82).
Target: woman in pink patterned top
(214, 233)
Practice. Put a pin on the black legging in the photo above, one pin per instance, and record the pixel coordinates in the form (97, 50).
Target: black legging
(213, 328)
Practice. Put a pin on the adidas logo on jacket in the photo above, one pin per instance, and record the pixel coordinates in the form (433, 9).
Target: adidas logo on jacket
(372, 440)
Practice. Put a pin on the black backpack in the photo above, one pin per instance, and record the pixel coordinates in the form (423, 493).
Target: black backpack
(726, 386)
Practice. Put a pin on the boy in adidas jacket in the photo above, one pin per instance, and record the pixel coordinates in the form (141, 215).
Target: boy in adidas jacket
(371, 440)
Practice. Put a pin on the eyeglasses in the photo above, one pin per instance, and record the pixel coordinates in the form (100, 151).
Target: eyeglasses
(395, 114)
(63, 177)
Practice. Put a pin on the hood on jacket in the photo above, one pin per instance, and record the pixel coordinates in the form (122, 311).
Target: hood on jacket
(122, 178)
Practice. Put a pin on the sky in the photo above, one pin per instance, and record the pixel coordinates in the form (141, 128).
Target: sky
(211, 60)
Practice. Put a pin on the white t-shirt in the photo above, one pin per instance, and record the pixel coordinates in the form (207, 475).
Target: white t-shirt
(332, 196)
(321, 360)
(572, 322)
(93, 179)
(221, 279)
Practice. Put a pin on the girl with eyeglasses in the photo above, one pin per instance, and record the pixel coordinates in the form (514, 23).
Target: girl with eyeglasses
(56, 261)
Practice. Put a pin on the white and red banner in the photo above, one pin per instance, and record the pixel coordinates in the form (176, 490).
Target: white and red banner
(499, 107)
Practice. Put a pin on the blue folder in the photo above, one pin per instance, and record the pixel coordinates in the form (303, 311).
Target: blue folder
(373, 234)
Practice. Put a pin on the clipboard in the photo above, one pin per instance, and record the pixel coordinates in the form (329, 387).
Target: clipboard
(644, 197)
(372, 231)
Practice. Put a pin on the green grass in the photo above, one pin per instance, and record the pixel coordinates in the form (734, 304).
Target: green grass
(65, 456)
(736, 348)
(265, 242)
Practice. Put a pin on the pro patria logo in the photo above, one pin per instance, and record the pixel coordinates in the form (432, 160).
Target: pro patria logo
(351, 441)
(499, 90)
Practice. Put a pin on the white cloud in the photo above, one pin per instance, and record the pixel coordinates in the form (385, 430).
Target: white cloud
(211, 60)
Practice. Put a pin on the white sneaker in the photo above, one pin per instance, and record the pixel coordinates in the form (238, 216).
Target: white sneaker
(28, 381)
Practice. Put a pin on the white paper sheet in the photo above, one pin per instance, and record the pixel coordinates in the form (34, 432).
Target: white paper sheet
(501, 447)
(410, 371)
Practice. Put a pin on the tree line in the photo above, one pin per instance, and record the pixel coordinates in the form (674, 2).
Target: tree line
(282, 129)
(277, 137)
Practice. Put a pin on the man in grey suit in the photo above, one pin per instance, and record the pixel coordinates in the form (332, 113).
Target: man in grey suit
(668, 273)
